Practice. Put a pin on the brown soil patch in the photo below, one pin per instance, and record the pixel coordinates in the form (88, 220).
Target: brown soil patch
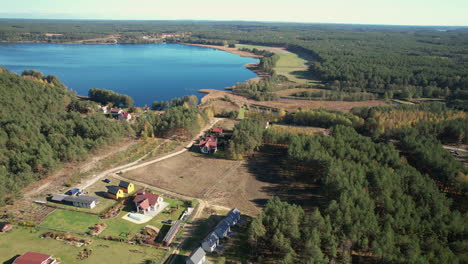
(246, 184)
(289, 105)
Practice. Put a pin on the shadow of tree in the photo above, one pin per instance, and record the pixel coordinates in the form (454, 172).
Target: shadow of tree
(288, 180)
(11, 260)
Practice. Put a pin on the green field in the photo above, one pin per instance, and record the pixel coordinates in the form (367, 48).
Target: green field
(70, 221)
(290, 65)
(20, 240)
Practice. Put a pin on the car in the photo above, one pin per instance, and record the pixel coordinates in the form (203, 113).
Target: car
(106, 180)
(167, 222)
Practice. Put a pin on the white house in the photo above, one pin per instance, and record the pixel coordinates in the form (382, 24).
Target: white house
(146, 202)
(211, 242)
(197, 257)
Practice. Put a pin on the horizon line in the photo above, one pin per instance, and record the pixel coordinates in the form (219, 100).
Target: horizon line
(215, 20)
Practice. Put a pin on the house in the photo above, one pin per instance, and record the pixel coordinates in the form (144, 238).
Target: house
(34, 258)
(77, 201)
(210, 243)
(167, 240)
(125, 116)
(209, 145)
(146, 202)
(217, 130)
(115, 192)
(126, 187)
(233, 216)
(115, 112)
(104, 109)
(222, 229)
(5, 226)
(197, 257)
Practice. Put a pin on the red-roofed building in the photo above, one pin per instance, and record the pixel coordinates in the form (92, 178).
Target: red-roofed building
(209, 145)
(34, 258)
(217, 130)
(125, 116)
(145, 201)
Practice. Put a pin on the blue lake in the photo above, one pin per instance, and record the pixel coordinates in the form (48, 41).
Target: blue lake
(145, 72)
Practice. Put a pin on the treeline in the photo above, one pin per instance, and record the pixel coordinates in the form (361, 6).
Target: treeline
(191, 100)
(49, 79)
(261, 90)
(267, 61)
(387, 118)
(426, 153)
(104, 96)
(336, 96)
(39, 131)
(247, 137)
(380, 208)
(322, 118)
(185, 121)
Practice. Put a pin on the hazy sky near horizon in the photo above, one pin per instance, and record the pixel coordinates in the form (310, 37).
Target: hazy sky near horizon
(394, 12)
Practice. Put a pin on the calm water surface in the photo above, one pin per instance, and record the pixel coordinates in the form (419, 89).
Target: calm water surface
(145, 72)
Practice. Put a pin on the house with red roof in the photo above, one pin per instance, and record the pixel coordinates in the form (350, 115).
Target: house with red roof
(34, 258)
(209, 145)
(217, 130)
(125, 116)
(146, 201)
(115, 112)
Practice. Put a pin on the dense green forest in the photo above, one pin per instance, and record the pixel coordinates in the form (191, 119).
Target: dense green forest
(104, 96)
(379, 207)
(395, 61)
(38, 130)
(388, 192)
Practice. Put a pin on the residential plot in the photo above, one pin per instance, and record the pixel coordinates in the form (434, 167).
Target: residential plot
(70, 221)
(103, 251)
(246, 184)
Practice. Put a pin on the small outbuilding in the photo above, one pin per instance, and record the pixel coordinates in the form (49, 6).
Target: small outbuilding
(126, 187)
(115, 192)
(217, 130)
(170, 235)
(74, 191)
(197, 257)
(34, 258)
(5, 226)
(78, 201)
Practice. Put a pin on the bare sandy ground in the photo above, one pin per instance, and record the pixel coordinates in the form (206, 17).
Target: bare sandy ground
(286, 104)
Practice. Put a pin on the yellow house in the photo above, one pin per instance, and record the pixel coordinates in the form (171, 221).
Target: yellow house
(115, 193)
(126, 187)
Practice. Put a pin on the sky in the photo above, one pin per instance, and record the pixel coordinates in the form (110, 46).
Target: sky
(390, 12)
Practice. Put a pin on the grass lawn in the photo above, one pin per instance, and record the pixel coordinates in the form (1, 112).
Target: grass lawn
(118, 226)
(20, 240)
(70, 221)
(290, 65)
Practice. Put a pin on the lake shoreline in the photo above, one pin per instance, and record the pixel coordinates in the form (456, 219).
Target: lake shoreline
(222, 69)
